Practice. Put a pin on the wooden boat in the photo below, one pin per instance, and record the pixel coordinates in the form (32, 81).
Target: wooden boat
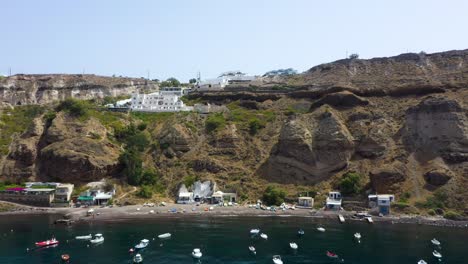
(47, 243)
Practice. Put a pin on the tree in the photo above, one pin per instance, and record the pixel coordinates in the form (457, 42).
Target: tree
(351, 183)
(354, 56)
(214, 122)
(254, 125)
(74, 107)
(133, 166)
(149, 177)
(145, 192)
(192, 81)
(171, 82)
(273, 196)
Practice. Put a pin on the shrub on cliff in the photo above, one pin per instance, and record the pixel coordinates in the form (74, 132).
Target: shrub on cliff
(145, 192)
(453, 215)
(74, 107)
(215, 122)
(273, 196)
(255, 125)
(133, 166)
(351, 183)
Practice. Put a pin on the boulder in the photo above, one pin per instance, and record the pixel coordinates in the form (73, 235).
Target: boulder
(438, 177)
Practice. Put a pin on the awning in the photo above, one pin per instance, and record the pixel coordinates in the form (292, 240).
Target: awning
(85, 198)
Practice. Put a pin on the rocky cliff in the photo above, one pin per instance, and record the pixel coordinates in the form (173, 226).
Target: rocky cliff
(46, 88)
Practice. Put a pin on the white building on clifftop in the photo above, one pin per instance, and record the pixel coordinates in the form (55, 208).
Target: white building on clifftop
(165, 100)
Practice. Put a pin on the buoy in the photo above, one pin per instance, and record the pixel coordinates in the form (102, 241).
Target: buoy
(65, 257)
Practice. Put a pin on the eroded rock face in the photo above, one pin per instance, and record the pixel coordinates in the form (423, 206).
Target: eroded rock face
(386, 179)
(439, 126)
(79, 160)
(206, 165)
(309, 149)
(176, 139)
(438, 177)
(340, 99)
(227, 142)
(64, 127)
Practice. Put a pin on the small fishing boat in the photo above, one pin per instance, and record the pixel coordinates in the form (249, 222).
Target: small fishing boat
(90, 212)
(264, 236)
(87, 237)
(65, 257)
(300, 232)
(341, 218)
(252, 249)
(370, 220)
(47, 243)
(357, 235)
(320, 229)
(137, 259)
(196, 253)
(331, 254)
(165, 235)
(436, 254)
(143, 243)
(98, 238)
(254, 231)
(422, 262)
(293, 245)
(435, 242)
(277, 259)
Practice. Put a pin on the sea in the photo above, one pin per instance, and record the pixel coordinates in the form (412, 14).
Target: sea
(226, 240)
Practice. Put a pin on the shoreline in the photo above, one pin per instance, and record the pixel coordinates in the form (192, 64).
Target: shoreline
(133, 212)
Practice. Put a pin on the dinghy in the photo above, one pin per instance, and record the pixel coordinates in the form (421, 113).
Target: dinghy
(196, 253)
(331, 254)
(47, 243)
(277, 259)
(254, 231)
(252, 249)
(370, 220)
(143, 243)
(165, 235)
(293, 245)
(98, 238)
(341, 218)
(300, 232)
(137, 259)
(264, 236)
(357, 235)
(88, 237)
(436, 254)
(435, 242)
(422, 262)
(320, 229)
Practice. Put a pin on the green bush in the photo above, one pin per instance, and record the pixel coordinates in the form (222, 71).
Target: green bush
(431, 212)
(400, 205)
(452, 215)
(215, 122)
(142, 126)
(149, 177)
(351, 183)
(133, 166)
(145, 192)
(255, 125)
(273, 195)
(189, 180)
(76, 108)
(438, 200)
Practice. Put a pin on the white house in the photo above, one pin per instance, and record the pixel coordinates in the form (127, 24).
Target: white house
(165, 100)
(333, 201)
(382, 202)
(223, 80)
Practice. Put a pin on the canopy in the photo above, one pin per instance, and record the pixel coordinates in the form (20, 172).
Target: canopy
(85, 198)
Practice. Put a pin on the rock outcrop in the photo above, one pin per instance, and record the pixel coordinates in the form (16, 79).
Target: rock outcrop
(385, 179)
(438, 177)
(340, 99)
(42, 89)
(176, 139)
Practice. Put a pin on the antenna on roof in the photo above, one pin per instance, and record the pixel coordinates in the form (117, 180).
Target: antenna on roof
(199, 76)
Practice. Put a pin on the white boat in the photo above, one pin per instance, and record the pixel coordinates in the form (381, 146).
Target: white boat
(293, 245)
(165, 235)
(422, 262)
(90, 212)
(342, 219)
(98, 238)
(357, 235)
(143, 243)
(196, 253)
(300, 232)
(137, 259)
(264, 236)
(436, 254)
(252, 249)
(369, 219)
(435, 242)
(320, 229)
(254, 231)
(87, 237)
(277, 259)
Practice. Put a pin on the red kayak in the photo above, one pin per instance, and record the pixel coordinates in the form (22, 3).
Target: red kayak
(331, 255)
(46, 243)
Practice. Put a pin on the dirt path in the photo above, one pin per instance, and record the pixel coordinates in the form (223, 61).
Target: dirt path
(134, 189)
(412, 173)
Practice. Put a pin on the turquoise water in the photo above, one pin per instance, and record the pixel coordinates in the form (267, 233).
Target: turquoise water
(226, 240)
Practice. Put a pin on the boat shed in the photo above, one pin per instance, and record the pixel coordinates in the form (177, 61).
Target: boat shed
(381, 202)
(333, 202)
(305, 202)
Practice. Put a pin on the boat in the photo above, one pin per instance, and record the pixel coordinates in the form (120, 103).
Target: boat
(90, 212)
(254, 231)
(293, 245)
(98, 238)
(252, 249)
(320, 229)
(357, 235)
(422, 262)
(331, 254)
(436, 254)
(138, 258)
(300, 232)
(65, 257)
(143, 243)
(165, 235)
(264, 236)
(87, 237)
(196, 253)
(277, 259)
(47, 243)
(435, 242)
(369, 220)
(342, 219)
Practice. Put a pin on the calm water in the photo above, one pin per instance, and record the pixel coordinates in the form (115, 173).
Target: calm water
(226, 240)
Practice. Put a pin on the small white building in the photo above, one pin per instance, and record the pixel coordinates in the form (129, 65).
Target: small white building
(165, 100)
(333, 202)
(381, 202)
(226, 78)
(305, 202)
(185, 198)
(63, 192)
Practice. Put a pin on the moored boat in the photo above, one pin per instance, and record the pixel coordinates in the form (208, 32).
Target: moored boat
(293, 245)
(331, 254)
(277, 259)
(436, 254)
(165, 235)
(300, 232)
(264, 236)
(370, 220)
(138, 258)
(87, 237)
(357, 235)
(98, 238)
(47, 243)
(254, 231)
(422, 262)
(252, 249)
(341, 218)
(65, 258)
(196, 253)
(320, 229)
(143, 243)
(435, 242)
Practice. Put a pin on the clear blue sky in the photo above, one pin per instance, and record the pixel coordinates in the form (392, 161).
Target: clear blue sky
(179, 38)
